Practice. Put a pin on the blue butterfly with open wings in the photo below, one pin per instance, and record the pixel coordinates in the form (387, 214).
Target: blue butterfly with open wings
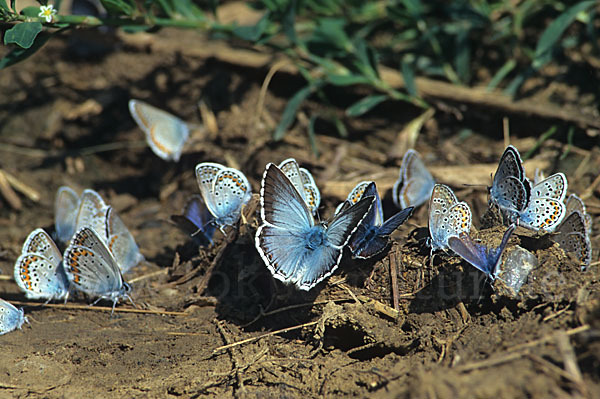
(296, 249)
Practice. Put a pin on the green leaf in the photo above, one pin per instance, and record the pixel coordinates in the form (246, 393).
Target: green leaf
(408, 74)
(289, 113)
(19, 53)
(31, 11)
(365, 104)
(23, 34)
(117, 7)
(339, 126)
(254, 32)
(347, 80)
(288, 23)
(188, 10)
(555, 30)
(4, 6)
(462, 58)
(501, 74)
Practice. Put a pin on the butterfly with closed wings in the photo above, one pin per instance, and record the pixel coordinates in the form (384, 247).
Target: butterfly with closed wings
(11, 318)
(92, 269)
(224, 191)
(415, 184)
(447, 217)
(39, 271)
(166, 134)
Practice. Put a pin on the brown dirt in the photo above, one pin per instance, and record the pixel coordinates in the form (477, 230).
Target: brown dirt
(453, 336)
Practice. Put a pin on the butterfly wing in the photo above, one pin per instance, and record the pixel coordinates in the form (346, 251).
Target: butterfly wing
(554, 186)
(312, 195)
(230, 191)
(92, 213)
(11, 318)
(510, 165)
(442, 199)
(66, 205)
(39, 278)
(165, 133)
(542, 214)
(572, 237)
(481, 257)
(196, 219)
(37, 271)
(375, 241)
(40, 243)
(280, 240)
(511, 194)
(91, 267)
(415, 185)
(121, 243)
(206, 173)
(509, 187)
(574, 203)
(290, 168)
(390, 225)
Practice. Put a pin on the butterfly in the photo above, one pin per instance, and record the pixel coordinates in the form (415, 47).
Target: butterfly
(296, 249)
(372, 235)
(415, 184)
(545, 208)
(224, 191)
(447, 217)
(571, 235)
(166, 134)
(510, 188)
(66, 205)
(304, 183)
(94, 213)
(574, 203)
(11, 318)
(483, 258)
(91, 268)
(196, 219)
(38, 271)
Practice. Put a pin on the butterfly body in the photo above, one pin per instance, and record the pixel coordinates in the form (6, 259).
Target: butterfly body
(38, 271)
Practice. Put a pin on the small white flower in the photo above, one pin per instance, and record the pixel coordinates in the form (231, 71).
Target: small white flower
(47, 12)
